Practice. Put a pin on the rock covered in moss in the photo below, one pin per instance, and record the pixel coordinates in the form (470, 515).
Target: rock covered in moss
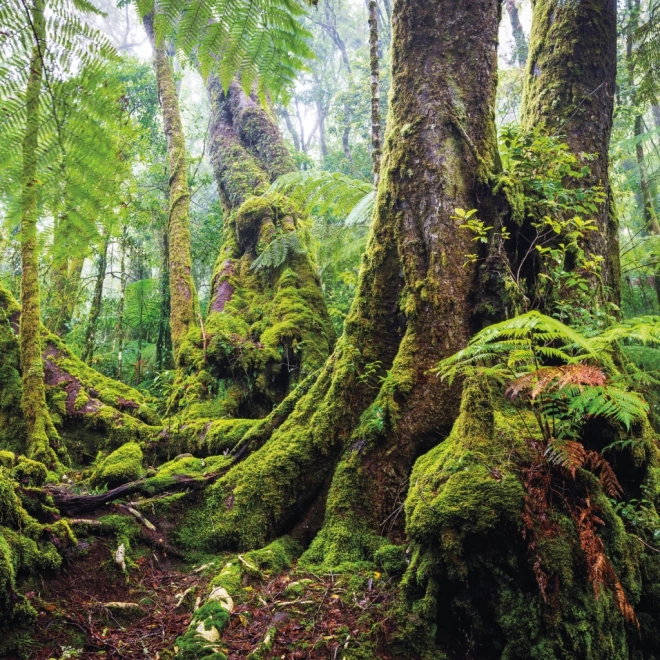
(120, 467)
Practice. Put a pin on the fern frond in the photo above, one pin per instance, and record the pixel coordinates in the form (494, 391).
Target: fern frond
(319, 192)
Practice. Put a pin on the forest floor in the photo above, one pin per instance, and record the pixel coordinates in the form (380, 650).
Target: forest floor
(328, 616)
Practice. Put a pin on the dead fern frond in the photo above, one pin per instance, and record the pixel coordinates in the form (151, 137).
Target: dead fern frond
(555, 379)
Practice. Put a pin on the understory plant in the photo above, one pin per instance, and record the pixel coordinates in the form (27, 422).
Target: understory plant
(558, 382)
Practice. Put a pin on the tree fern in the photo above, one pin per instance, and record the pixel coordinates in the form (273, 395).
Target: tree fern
(282, 247)
(319, 192)
(262, 42)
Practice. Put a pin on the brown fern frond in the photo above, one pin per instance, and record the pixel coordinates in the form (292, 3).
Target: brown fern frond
(567, 454)
(555, 378)
(606, 475)
(599, 568)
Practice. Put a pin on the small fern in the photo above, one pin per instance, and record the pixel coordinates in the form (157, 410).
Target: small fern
(283, 245)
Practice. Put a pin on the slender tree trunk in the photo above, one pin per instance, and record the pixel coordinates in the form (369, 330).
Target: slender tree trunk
(521, 48)
(374, 66)
(97, 301)
(291, 128)
(164, 340)
(570, 90)
(41, 433)
(119, 328)
(182, 288)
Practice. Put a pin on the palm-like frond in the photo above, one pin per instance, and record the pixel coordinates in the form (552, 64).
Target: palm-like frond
(320, 193)
(260, 41)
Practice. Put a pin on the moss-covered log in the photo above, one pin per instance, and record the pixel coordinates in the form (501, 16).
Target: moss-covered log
(569, 89)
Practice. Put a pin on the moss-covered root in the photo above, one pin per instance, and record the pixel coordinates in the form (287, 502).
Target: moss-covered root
(203, 637)
(471, 586)
(108, 412)
(31, 538)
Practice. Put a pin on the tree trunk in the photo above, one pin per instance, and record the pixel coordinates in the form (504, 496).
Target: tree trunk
(164, 340)
(97, 300)
(570, 91)
(267, 329)
(182, 288)
(374, 66)
(41, 433)
(374, 408)
(519, 38)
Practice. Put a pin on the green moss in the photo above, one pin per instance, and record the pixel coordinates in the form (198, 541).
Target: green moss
(121, 466)
(31, 473)
(202, 639)
(472, 572)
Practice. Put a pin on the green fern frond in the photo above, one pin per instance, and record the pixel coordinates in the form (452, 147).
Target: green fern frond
(319, 192)
(281, 248)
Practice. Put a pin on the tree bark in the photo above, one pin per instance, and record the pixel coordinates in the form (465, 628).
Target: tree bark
(570, 86)
(519, 38)
(41, 433)
(374, 66)
(355, 433)
(164, 339)
(182, 288)
(97, 301)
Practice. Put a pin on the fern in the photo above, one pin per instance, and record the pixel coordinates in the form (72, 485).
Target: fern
(283, 245)
(319, 193)
(262, 42)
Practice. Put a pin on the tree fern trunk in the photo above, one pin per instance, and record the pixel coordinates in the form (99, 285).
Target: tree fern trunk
(182, 288)
(41, 434)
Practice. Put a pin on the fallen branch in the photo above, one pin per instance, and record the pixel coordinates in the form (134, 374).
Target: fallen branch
(71, 504)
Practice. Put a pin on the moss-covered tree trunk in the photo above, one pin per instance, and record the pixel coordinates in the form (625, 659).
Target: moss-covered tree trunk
(373, 409)
(570, 87)
(41, 434)
(374, 66)
(267, 328)
(182, 289)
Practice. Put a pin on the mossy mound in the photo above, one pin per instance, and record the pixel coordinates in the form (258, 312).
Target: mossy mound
(31, 538)
(267, 329)
(120, 467)
(473, 584)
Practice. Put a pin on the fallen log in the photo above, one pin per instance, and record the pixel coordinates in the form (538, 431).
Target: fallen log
(72, 504)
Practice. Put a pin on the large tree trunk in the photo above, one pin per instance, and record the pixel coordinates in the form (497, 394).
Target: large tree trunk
(267, 328)
(182, 288)
(570, 91)
(41, 433)
(374, 408)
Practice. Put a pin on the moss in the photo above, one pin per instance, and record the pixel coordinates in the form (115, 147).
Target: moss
(26, 546)
(7, 459)
(471, 580)
(31, 473)
(121, 466)
(391, 558)
(202, 639)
